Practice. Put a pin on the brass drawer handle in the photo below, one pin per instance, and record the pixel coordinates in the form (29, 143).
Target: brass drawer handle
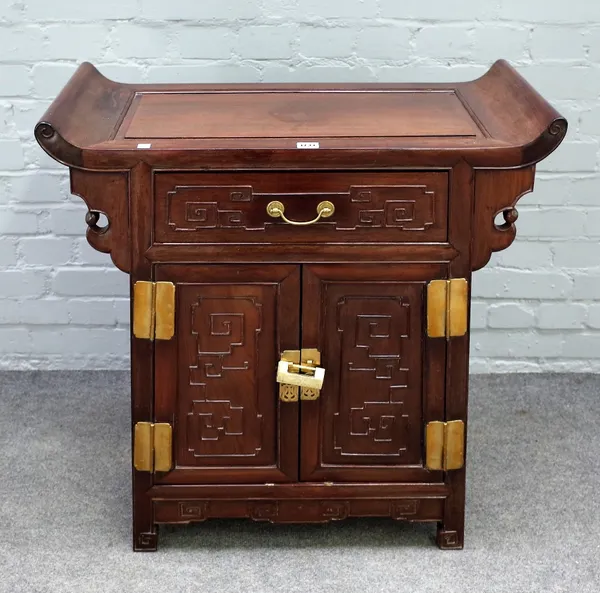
(276, 209)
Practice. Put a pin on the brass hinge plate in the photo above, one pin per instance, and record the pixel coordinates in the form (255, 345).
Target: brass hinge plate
(445, 445)
(447, 308)
(152, 447)
(153, 310)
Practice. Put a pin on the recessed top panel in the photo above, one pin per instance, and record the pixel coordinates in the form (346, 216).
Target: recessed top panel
(316, 114)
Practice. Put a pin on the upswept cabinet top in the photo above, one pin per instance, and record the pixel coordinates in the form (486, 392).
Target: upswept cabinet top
(498, 120)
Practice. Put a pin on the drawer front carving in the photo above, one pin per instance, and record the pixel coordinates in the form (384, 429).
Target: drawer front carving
(232, 207)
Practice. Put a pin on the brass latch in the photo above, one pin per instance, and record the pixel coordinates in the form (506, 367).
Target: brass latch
(153, 310)
(152, 447)
(298, 370)
(447, 308)
(445, 445)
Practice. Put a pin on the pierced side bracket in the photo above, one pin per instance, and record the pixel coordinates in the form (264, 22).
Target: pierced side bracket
(105, 193)
(497, 192)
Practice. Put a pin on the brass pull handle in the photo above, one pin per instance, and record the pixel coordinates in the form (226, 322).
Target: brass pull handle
(276, 209)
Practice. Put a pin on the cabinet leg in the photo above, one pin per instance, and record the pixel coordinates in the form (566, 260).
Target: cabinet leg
(451, 531)
(145, 532)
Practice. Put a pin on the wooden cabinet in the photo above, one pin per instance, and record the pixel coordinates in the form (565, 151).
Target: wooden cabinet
(300, 261)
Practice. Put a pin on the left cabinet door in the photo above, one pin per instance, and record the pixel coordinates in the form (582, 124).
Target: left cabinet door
(215, 379)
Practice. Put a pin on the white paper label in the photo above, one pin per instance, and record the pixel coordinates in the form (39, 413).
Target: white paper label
(144, 145)
(307, 145)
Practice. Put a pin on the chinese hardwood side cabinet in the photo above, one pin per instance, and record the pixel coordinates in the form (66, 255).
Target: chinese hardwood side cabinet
(300, 260)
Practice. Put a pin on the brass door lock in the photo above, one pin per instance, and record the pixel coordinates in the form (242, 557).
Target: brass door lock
(297, 371)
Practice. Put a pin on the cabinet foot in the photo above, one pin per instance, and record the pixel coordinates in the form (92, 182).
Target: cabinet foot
(145, 530)
(447, 539)
(146, 541)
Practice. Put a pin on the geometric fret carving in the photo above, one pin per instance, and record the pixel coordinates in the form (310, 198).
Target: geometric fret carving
(263, 511)
(207, 214)
(212, 425)
(368, 323)
(372, 418)
(193, 510)
(226, 353)
(404, 509)
(381, 207)
(216, 378)
(334, 510)
(372, 364)
(448, 539)
(145, 540)
(316, 510)
(201, 208)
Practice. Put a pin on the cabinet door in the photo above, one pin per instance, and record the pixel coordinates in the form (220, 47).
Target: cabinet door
(384, 378)
(215, 379)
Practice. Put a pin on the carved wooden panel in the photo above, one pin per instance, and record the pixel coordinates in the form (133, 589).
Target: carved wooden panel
(227, 332)
(301, 510)
(214, 208)
(370, 330)
(374, 334)
(227, 344)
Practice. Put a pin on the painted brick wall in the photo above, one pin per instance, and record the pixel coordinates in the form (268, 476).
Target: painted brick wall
(62, 305)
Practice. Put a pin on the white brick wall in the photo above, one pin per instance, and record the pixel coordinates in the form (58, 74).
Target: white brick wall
(62, 305)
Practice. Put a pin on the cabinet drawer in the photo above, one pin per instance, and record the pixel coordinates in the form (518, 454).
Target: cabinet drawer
(230, 207)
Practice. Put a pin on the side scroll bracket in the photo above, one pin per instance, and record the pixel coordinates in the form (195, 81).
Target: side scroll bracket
(105, 193)
(497, 192)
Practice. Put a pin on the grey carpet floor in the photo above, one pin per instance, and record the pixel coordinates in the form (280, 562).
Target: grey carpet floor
(533, 508)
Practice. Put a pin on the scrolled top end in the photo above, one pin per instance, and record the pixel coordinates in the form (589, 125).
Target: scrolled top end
(547, 142)
(44, 130)
(558, 127)
(56, 146)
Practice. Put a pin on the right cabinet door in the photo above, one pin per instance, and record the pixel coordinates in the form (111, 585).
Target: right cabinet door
(384, 378)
